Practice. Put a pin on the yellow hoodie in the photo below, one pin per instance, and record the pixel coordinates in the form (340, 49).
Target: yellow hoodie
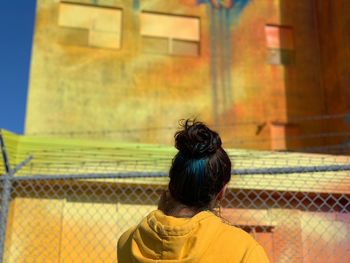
(202, 238)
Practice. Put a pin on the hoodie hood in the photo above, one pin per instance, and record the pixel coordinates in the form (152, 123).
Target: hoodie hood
(161, 238)
(202, 238)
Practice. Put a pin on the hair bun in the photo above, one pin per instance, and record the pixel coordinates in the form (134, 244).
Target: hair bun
(196, 139)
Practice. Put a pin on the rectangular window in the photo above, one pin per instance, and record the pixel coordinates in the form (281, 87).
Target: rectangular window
(279, 37)
(170, 34)
(280, 44)
(103, 24)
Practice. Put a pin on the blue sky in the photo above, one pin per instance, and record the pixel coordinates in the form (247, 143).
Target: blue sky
(16, 27)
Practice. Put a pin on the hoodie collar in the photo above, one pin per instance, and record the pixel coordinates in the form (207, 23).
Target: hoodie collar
(173, 226)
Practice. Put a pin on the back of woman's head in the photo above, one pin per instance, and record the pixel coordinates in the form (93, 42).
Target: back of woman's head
(201, 167)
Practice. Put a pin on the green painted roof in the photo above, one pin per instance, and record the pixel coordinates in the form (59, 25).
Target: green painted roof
(52, 156)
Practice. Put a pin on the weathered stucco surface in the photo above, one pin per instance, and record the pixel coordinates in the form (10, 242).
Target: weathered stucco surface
(78, 88)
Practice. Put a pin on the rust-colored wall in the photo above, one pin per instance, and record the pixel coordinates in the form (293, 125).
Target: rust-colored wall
(304, 95)
(334, 37)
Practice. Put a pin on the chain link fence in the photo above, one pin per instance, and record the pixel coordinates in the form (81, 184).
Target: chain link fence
(69, 200)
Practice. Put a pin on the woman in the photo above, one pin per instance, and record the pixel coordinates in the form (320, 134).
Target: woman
(185, 228)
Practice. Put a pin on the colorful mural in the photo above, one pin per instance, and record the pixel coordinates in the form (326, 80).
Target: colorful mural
(246, 67)
(220, 18)
(127, 71)
(151, 67)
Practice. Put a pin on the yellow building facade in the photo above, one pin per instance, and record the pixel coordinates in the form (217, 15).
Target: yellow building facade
(130, 70)
(112, 73)
(113, 66)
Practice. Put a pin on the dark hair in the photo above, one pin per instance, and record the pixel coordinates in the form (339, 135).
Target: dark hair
(201, 167)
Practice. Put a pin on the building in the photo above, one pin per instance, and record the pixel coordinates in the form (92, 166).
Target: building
(264, 72)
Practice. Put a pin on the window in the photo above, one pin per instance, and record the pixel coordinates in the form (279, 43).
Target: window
(170, 34)
(103, 24)
(280, 44)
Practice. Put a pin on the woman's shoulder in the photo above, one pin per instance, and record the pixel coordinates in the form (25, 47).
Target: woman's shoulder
(235, 234)
(125, 237)
(235, 244)
(225, 232)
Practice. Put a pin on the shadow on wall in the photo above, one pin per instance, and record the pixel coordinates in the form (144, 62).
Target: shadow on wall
(313, 50)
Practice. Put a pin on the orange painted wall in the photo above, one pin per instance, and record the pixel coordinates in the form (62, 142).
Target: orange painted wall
(334, 39)
(77, 227)
(131, 95)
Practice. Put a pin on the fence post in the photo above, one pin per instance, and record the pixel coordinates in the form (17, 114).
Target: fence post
(6, 196)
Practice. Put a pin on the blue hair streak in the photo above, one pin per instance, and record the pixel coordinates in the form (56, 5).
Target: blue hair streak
(197, 168)
(194, 166)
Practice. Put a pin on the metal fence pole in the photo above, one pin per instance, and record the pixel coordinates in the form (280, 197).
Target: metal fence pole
(6, 196)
